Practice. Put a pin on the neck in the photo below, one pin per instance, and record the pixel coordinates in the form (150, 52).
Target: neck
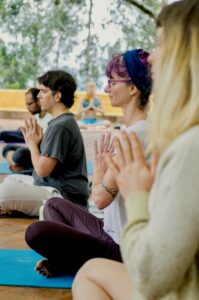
(58, 110)
(132, 114)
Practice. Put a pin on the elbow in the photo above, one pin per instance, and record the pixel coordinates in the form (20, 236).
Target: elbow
(99, 203)
(41, 172)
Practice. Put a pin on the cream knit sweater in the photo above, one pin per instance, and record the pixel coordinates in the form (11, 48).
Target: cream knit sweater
(160, 243)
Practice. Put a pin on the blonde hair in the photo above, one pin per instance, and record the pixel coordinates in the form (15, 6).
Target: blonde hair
(176, 90)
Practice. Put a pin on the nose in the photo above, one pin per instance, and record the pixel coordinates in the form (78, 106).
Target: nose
(39, 96)
(107, 89)
(151, 58)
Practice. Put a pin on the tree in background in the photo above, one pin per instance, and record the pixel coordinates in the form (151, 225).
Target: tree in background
(39, 33)
(43, 34)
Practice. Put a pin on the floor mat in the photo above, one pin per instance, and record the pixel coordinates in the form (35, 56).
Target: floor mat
(4, 168)
(17, 269)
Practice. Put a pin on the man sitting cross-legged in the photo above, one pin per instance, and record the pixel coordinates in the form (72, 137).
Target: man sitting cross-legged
(58, 157)
(19, 157)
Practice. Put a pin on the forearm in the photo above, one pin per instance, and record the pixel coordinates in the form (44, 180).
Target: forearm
(82, 110)
(104, 188)
(99, 110)
(35, 155)
(154, 247)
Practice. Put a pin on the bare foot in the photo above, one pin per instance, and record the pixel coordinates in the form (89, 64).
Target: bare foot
(45, 268)
(15, 168)
(4, 212)
(42, 267)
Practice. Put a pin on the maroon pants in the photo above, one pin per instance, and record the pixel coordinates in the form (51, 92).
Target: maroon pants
(70, 236)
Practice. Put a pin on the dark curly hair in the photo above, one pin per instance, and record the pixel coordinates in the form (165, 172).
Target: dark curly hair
(60, 81)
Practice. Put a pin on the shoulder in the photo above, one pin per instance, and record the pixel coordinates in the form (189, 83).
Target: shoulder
(183, 152)
(63, 122)
(140, 128)
(186, 142)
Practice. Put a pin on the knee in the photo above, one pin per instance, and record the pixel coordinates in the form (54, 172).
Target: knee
(35, 233)
(6, 191)
(53, 203)
(85, 272)
(18, 156)
(6, 149)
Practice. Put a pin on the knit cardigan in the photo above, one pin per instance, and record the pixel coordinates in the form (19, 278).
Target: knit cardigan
(160, 242)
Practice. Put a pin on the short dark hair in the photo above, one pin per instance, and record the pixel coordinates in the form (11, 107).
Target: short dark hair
(34, 93)
(60, 81)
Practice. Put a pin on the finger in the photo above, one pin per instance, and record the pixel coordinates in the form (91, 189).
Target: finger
(113, 166)
(23, 130)
(111, 148)
(119, 156)
(127, 147)
(107, 142)
(154, 162)
(26, 125)
(96, 148)
(34, 125)
(102, 142)
(137, 149)
(29, 125)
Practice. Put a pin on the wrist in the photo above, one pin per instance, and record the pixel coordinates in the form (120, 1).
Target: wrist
(32, 146)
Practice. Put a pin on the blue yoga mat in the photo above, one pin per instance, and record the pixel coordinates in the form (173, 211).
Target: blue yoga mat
(90, 167)
(17, 269)
(4, 168)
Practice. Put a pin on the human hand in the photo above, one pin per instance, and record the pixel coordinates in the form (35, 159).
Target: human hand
(129, 166)
(32, 132)
(105, 147)
(92, 105)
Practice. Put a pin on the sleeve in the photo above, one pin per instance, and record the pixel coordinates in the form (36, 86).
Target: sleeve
(56, 143)
(159, 247)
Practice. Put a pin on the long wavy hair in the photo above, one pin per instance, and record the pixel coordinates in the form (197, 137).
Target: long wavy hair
(176, 89)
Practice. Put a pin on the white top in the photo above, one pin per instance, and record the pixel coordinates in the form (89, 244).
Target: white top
(115, 215)
(43, 122)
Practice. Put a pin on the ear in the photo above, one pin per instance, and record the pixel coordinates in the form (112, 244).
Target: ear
(133, 90)
(57, 96)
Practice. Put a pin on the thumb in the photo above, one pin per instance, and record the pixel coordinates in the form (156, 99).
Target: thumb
(23, 130)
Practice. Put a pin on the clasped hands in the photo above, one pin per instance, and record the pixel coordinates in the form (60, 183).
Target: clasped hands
(32, 132)
(91, 105)
(128, 164)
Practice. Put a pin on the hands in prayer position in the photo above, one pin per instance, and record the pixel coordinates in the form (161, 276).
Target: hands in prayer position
(129, 166)
(32, 132)
(101, 150)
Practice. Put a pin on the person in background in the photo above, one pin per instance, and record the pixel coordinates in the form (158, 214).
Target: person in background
(160, 242)
(67, 228)
(31, 101)
(58, 156)
(19, 157)
(89, 106)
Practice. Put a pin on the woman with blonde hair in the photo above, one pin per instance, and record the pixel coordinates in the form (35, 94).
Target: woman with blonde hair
(160, 243)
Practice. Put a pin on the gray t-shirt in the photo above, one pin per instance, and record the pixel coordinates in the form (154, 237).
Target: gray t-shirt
(63, 141)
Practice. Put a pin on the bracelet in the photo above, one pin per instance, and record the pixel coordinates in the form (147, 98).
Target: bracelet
(111, 191)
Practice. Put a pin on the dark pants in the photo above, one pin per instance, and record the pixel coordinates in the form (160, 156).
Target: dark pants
(70, 236)
(12, 136)
(21, 156)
